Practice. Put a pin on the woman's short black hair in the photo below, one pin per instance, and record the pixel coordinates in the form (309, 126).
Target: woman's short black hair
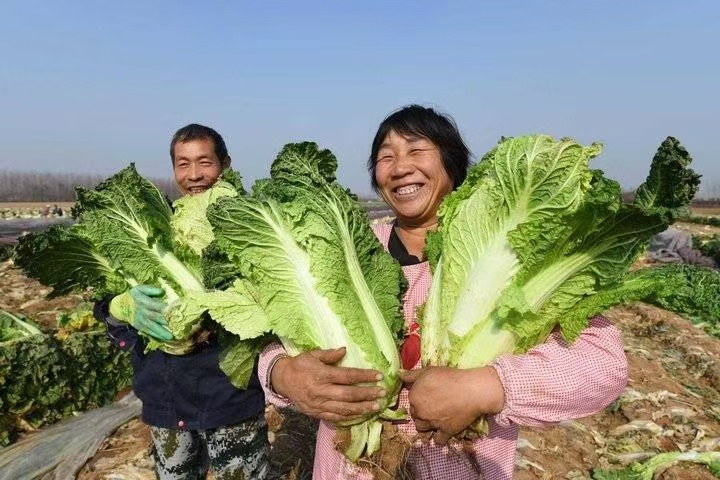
(439, 128)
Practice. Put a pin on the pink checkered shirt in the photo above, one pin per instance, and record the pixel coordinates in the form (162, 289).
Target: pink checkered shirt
(550, 383)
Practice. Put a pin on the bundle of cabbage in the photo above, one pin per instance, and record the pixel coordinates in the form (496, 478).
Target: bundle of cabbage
(532, 232)
(126, 234)
(310, 271)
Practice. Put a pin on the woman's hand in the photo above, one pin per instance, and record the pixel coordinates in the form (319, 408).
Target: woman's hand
(322, 390)
(448, 400)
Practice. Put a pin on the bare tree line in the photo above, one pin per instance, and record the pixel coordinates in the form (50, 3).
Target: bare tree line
(57, 187)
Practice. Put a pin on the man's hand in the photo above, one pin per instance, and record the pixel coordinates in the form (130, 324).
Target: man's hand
(448, 400)
(140, 308)
(322, 390)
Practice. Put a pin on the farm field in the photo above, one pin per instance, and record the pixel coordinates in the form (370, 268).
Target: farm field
(29, 209)
(672, 402)
(372, 205)
(706, 211)
(32, 205)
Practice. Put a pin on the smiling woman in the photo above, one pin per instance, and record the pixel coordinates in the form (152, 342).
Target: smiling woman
(418, 157)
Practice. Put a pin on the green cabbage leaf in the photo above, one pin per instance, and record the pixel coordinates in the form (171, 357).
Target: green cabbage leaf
(649, 469)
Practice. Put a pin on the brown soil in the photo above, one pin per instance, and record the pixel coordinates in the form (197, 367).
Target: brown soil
(19, 294)
(125, 455)
(673, 398)
(697, 229)
(672, 387)
(390, 461)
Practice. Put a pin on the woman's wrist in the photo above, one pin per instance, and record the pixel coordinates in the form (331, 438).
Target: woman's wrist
(487, 390)
(274, 374)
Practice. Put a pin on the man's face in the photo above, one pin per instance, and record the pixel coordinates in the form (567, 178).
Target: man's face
(196, 167)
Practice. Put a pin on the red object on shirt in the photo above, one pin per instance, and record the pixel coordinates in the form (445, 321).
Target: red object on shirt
(410, 348)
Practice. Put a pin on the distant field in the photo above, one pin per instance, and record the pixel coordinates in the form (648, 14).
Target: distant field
(706, 211)
(370, 205)
(33, 205)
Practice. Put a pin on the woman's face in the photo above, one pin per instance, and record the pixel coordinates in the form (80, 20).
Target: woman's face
(411, 178)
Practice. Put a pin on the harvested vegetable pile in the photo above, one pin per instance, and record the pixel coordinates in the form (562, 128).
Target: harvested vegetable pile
(709, 246)
(40, 380)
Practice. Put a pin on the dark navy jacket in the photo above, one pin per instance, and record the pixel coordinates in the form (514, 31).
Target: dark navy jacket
(183, 391)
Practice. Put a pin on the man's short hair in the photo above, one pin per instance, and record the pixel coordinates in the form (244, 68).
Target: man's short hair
(195, 131)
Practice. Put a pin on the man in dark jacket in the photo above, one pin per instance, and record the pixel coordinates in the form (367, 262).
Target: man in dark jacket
(197, 418)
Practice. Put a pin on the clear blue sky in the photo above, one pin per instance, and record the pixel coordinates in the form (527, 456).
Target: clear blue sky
(93, 85)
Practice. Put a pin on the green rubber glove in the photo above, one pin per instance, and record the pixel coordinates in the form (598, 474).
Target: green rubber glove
(140, 308)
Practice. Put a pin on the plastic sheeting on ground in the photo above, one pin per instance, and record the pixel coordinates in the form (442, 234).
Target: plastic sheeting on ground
(675, 246)
(59, 451)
